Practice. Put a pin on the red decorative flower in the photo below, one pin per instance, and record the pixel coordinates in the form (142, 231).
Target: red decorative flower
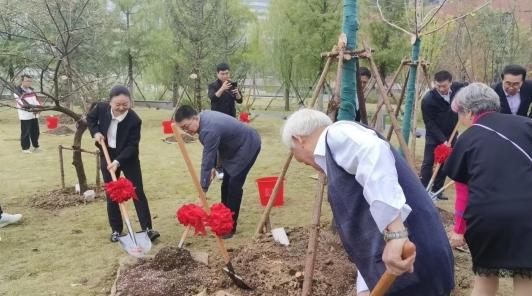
(244, 117)
(220, 220)
(441, 153)
(193, 215)
(120, 190)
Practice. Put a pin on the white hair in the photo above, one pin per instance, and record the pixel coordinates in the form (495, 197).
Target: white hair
(303, 123)
(477, 98)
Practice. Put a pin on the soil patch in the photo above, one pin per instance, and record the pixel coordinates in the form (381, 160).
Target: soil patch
(61, 130)
(270, 268)
(186, 138)
(61, 198)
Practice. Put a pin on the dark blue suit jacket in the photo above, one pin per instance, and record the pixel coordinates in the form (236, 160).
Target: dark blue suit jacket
(526, 99)
(237, 143)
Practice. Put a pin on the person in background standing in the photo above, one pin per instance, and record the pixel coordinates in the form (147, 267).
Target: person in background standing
(29, 121)
(440, 121)
(515, 93)
(223, 94)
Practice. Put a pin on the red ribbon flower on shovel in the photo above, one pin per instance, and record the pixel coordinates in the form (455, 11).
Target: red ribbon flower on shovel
(220, 220)
(441, 153)
(194, 216)
(121, 190)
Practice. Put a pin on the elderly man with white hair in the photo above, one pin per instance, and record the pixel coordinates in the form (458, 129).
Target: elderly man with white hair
(493, 159)
(378, 204)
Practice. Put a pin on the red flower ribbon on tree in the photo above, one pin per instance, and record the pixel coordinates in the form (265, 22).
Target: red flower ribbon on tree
(441, 153)
(193, 215)
(220, 220)
(121, 190)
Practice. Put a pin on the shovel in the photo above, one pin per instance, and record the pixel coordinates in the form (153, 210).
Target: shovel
(387, 279)
(228, 269)
(136, 244)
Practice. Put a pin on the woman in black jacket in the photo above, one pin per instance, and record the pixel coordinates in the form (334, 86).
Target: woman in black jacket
(119, 126)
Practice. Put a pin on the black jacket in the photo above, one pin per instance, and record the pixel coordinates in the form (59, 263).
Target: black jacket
(437, 114)
(526, 99)
(127, 133)
(225, 103)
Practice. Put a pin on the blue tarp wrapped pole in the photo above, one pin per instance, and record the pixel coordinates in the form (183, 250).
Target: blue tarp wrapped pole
(348, 94)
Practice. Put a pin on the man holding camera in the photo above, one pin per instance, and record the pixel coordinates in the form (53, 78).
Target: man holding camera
(223, 94)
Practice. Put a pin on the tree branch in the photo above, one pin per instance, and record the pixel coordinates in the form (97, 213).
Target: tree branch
(457, 18)
(390, 23)
(426, 22)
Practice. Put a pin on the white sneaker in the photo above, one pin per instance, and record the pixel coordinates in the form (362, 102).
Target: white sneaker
(9, 219)
(220, 175)
(27, 151)
(38, 149)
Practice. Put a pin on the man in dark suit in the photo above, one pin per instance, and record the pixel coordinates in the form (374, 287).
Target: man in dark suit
(119, 126)
(238, 144)
(440, 121)
(515, 93)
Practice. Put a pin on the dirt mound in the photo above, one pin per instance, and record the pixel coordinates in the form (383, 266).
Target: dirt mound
(61, 130)
(59, 198)
(172, 272)
(270, 268)
(186, 138)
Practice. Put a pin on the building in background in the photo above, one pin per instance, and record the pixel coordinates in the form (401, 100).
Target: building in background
(258, 7)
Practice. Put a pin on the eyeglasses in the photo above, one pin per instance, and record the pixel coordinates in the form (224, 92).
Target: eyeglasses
(513, 84)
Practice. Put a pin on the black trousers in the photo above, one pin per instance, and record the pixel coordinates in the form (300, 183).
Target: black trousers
(133, 172)
(29, 133)
(232, 189)
(427, 165)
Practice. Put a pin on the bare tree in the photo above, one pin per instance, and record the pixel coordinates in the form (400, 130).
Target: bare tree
(421, 21)
(54, 30)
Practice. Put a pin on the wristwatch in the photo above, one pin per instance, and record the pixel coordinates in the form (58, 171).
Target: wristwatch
(388, 235)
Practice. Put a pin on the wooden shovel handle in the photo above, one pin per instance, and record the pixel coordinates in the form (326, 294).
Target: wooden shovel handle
(107, 158)
(191, 170)
(387, 279)
(438, 166)
(123, 209)
(183, 237)
(195, 180)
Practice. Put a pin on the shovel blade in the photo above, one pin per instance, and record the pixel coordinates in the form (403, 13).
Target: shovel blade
(138, 246)
(237, 280)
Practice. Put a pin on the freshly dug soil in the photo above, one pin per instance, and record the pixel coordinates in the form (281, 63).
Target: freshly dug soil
(186, 138)
(270, 268)
(60, 198)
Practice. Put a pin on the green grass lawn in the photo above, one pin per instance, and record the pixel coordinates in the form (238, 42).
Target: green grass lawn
(67, 251)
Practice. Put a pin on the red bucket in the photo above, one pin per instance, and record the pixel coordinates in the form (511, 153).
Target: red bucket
(167, 127)
(266, 186)
(52, 121)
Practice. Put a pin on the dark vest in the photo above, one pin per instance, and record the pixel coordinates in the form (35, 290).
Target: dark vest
(434, 266)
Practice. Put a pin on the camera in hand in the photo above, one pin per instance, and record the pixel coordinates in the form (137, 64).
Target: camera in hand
(233, 84)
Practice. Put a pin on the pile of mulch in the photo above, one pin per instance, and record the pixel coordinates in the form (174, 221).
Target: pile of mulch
(186, 138)
(61, 198)
(61, 130)
(270, 268)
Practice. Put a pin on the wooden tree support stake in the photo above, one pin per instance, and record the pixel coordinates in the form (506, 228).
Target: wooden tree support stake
(395, 123)
(313, 237)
